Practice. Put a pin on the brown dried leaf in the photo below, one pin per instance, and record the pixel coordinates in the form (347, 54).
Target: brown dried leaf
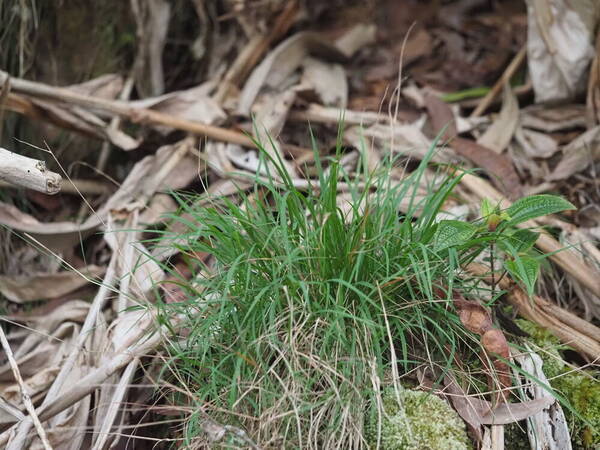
(281, 62)
(559, 46)
(500, 133)
(57, 236)
(473, 316)
(42, 286)
(579, 154)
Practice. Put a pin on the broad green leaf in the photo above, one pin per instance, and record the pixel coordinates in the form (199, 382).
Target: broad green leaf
(486, 207)
(524, 269)
(518, 242)
(452, 232)
(536, 206)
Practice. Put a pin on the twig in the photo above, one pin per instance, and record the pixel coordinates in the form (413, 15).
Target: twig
(124, 109)
(77, 186)
(24, 391)
(505, 78)
(28, 172)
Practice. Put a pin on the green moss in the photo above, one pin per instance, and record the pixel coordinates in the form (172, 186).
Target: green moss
(550, 347)
(420, 421)
(581, 388)
(582, 391)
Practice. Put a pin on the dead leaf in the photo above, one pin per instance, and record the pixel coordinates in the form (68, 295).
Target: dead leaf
(506, 413)
(42, 286)
(500, 132)
(559, 46)
(281, 62)
(553, 118)
(57, 236)
(500, 166)
(579, 154)
(191, 104)
(356, 38)
(535, 144)
(327, 80)
(473, 316)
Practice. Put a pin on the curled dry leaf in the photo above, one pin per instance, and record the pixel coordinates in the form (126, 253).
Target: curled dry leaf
(57, 236)
(553, 118)
(559, 46)
(42, 286)
(500, 132)
(327, 81)
(579, 154)
(535, 144)
(191, 104)
(284, 60)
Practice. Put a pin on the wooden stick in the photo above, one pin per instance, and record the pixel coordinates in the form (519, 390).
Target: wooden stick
(124, 109)
(24, 391)
(505, 78)
(28, 173)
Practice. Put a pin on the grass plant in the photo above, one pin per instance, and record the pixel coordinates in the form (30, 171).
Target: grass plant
(309, 305)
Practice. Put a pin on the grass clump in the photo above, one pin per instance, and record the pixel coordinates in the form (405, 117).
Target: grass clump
(307, 302)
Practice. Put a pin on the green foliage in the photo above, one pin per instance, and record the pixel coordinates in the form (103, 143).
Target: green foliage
(295, 318)
(451, 233)
(536, 206)
(420, 421)
(524, 269)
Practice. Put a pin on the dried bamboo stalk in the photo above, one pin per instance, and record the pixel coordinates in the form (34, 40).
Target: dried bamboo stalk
(24, 391)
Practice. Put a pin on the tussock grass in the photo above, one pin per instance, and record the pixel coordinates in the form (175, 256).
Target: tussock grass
(308, 306)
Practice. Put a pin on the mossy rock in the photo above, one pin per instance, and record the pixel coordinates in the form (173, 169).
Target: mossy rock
(420, 421)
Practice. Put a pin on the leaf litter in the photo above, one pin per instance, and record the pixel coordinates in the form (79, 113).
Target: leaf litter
(267, 74)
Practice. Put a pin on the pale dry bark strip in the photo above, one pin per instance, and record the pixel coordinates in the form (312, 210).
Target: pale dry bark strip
(28, 173)
(91, 381)
(24, 391)
(55, 391)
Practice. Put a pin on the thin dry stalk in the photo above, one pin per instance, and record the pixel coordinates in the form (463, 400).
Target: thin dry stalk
(24, 391)
(505, 78)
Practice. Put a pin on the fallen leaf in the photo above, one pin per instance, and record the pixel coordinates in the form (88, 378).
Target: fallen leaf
(57, 236)
(500, 166)
(500, 132)
(42, 286)
(327, 80)
(559, 46)
(281, 62)
(578, 155)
